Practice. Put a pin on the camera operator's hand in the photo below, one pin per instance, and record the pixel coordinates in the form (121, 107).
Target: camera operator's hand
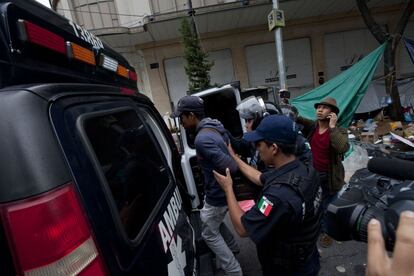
(401, 264)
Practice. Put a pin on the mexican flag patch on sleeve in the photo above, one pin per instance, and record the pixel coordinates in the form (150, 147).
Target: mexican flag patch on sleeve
(265, 206)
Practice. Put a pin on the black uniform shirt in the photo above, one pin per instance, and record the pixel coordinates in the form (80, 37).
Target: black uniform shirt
(278, 206)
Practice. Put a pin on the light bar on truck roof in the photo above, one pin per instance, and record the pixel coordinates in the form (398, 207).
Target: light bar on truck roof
(132, 75)
(127, 91)
(37, 35)
(122, 71)
(80, 53)
(108, 63)
(30, 34)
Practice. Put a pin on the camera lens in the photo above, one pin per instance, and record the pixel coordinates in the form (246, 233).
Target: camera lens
(361, 225)
(344, 215)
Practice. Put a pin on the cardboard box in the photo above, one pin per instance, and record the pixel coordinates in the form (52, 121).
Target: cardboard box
(397, 128)
(368, 137)
(409, 131)
(383, 128)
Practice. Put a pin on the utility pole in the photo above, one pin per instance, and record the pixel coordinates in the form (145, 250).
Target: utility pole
(277, 15)
(191, 13)
(54, 4)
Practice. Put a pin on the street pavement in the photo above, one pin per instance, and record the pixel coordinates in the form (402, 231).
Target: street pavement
(344, 259)
(341, 259)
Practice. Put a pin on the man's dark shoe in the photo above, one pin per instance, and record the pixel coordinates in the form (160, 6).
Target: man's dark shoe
(325, 240)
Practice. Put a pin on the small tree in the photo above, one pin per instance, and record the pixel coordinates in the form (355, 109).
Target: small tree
(393, 39)
(197, 66)
(54, 4)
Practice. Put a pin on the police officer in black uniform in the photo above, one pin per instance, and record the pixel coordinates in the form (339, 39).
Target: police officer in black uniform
(253, 110)
(285, 221)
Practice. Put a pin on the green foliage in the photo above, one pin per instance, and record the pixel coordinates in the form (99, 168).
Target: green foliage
(197, 66)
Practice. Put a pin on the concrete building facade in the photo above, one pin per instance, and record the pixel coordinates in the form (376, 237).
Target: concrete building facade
(321, 39)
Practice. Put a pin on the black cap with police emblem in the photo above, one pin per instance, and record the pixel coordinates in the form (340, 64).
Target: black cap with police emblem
(189, 104)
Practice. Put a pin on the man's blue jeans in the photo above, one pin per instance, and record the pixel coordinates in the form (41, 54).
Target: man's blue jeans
(219, 238)
(327, 198)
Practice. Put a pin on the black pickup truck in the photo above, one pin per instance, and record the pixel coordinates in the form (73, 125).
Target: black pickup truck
(90, 178)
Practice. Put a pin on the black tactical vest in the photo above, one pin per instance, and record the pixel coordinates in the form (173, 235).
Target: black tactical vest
(291, 246)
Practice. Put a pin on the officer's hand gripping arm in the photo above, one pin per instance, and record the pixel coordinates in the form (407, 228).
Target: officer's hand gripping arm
(251, 173)
(235, 211)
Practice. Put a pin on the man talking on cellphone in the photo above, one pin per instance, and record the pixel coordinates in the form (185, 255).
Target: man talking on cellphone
(328, 145)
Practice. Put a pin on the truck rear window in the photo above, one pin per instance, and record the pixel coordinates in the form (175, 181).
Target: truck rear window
(133, 167)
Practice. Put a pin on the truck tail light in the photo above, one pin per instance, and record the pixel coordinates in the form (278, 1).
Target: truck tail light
(80, 53)
(49, 235)
(37, 35)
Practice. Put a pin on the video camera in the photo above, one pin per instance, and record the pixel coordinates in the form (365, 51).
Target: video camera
(370, 195)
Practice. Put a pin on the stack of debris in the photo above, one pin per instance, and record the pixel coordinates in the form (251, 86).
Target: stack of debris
(395, 135)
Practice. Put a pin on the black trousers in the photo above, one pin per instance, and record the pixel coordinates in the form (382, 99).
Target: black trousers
(311, 268)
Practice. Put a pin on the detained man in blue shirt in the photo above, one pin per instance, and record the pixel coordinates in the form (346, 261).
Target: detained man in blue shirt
(285, 222)
(212, 154)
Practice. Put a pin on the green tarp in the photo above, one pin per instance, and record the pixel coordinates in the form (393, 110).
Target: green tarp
(348, 88)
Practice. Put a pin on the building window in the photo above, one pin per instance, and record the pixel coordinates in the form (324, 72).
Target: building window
(132, 164)
(96, 14)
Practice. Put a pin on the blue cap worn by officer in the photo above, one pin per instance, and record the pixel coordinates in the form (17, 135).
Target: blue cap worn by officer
(274, 128)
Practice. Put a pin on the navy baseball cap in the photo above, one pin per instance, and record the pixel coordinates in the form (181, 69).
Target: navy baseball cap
(189, 104)
(274, 128)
